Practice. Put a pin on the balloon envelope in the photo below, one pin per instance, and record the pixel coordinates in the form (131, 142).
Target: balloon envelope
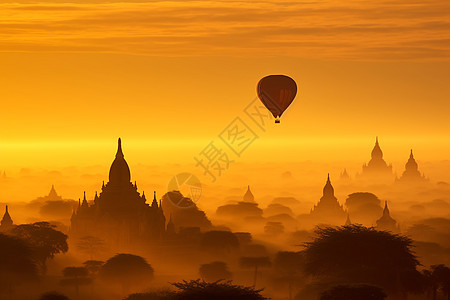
(277, 92)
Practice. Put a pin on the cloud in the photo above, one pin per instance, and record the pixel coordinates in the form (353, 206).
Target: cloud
(409, 30)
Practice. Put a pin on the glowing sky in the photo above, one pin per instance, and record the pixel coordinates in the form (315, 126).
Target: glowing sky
(168, 76)
(312, 29)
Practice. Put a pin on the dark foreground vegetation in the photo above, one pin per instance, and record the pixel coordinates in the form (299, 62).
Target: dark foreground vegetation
(197, 289)
(340, 263)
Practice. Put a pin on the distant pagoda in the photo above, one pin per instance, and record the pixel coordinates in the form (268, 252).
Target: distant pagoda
(248, 196)
(6, 223)
(411, 173)
(386, 222)
(377, 168)
(328, 208)
(344, 175)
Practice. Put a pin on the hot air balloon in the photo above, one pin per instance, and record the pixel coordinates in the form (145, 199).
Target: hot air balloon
(277, 92)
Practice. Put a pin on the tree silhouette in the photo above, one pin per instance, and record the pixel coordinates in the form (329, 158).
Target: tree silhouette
(357, 254)
(16, 263)
(255, 262)
(53, 296)
(440, 279)
(44, 239)
(430, 283)
(156, 295)
(214, 271)
(93, 267)
(288, 267)
(363, 207)
(355, 292)
(91, 245)
(219, 242)
(199, 290)
(76, 276)
(274, 228)
(128, 270)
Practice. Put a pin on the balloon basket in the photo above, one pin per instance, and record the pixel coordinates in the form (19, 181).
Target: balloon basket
(277, 121)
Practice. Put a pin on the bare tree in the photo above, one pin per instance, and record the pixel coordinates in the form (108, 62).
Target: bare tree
(288, 268)
(255, 263)
(76, 276)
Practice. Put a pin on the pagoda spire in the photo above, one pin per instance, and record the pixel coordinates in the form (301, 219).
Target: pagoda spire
(52, 194)
(84, 203)
(119, 149)
(6, 222)
(386, 209)
(170, 229)
(377, 153)
(155, 202)
(328, 189)
(248, 196)
(344, 174)
(119, 173)
(386, 222)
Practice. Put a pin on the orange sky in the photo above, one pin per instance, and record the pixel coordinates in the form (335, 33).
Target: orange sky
(168, 76)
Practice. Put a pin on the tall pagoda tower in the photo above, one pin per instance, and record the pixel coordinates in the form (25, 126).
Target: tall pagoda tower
(248, 196)
(377, 166)
(119, 214)
(386, 222)
(6, 223)
(328, 208)
(411, 173)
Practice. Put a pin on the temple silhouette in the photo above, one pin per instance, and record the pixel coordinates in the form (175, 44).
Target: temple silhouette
(120, 215)
(386, 222)
(411, 173)
(52, 195)
(344, 175)
(247, 209)
(328, 208)
(248, 196)
(6, 223)
(377, 166)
